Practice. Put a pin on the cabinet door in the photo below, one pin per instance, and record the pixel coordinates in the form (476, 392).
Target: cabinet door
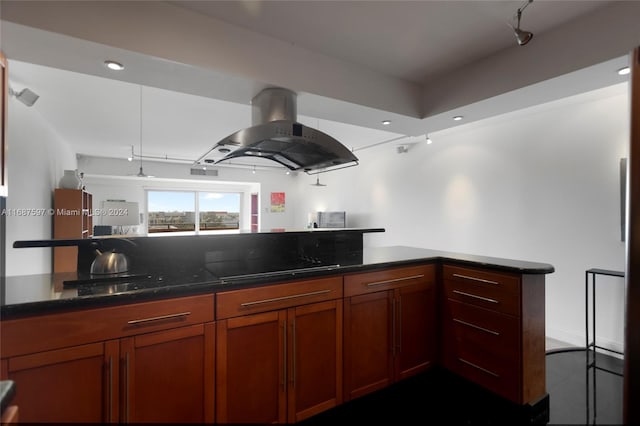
(168, 376)
(415, 323)
(368, 361)
(315, 359)
(75, 384)
(251, 369)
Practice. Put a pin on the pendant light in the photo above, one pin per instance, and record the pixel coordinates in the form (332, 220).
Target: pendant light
(318, 182)
(141, 172)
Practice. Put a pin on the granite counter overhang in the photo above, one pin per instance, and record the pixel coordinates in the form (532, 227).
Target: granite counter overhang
(40, 294)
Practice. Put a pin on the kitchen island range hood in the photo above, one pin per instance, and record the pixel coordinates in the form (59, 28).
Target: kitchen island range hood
(277, 136)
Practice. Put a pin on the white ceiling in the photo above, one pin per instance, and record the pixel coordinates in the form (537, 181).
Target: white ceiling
(187, 106)
(412, 40)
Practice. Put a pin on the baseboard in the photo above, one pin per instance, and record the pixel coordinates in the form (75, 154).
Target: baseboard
(575, 339)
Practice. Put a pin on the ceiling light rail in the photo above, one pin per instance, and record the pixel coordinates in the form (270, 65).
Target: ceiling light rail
(200, 164)
(398, 138)
(197, 163)
(330, 169)
(162, 157)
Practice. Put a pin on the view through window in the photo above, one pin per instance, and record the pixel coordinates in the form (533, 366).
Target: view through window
(192, 211)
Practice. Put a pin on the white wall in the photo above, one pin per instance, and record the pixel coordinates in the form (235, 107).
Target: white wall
(540, 184)
(37, 159)
(104, 186)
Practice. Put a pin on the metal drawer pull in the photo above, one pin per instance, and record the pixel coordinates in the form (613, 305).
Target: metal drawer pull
(486, 299)
(284, 356)
(294, 355)
(394, 280)
(479, 368)
(126, 387)
(163, 317)
(477, 327)
(277, 299)
(393, 327)
(400, 324)
(467, 277)
(111, 389)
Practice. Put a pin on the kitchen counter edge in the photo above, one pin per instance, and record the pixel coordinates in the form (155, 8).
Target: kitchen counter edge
(373, 259)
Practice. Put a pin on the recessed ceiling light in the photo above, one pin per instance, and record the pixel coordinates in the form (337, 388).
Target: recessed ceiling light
(457, 118)
(624, 71)
(386, 122)
(113, 65)
(429, 141)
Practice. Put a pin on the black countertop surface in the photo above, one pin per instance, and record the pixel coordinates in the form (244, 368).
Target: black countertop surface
(36, 294)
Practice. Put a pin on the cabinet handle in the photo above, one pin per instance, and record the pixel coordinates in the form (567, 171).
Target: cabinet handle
(477, 327)
(467, 277)
(110, 389)
(393, 327)
(284, 351)
(126, 387)
(294, 352)
(478, 367)
(160, 318)
(277, 299)
(373, 284)
(486, 299)
(399, 324)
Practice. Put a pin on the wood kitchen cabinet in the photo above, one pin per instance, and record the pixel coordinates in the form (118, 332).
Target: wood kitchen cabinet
(74, 384)
(279, 351)
(493, 330)
(168, 376)
(389, 327)
(142, 362)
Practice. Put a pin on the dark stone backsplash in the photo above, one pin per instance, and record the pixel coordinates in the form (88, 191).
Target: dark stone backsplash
(230, 254)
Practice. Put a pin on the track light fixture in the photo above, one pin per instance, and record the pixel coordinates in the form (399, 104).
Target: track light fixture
(25, 96)
(522, 37)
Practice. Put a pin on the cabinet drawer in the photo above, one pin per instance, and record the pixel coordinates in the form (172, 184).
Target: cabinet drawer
(499, 292)
(46, 332)
(483, 346)
(370, 282)
(499, 377)
(276, 296)
(496, 334)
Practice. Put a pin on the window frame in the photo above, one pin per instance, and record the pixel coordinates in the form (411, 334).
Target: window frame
(196, 195)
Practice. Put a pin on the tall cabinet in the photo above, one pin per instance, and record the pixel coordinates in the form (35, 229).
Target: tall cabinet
(72, 220)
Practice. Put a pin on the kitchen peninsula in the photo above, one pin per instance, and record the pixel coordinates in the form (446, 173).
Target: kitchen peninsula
(287, 314)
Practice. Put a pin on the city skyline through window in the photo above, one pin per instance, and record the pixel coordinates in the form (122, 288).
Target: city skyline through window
(192, 211)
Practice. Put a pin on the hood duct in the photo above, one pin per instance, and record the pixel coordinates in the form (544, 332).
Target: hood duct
(276, 135)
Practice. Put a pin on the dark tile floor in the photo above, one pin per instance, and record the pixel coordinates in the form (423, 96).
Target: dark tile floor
(440, 398)
(574, 399)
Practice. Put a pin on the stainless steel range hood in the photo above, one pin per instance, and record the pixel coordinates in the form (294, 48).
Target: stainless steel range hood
(276, 135)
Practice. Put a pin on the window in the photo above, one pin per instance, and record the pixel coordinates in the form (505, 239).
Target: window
(192, 211)
(219, 211)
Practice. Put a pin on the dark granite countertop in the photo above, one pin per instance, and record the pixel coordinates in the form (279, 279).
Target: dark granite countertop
(7, 391)
(36, 294)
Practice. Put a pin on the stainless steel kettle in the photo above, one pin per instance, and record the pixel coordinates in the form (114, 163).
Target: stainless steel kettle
(109, 263)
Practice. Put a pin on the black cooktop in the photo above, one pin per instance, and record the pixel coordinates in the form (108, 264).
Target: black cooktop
(119, 283)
